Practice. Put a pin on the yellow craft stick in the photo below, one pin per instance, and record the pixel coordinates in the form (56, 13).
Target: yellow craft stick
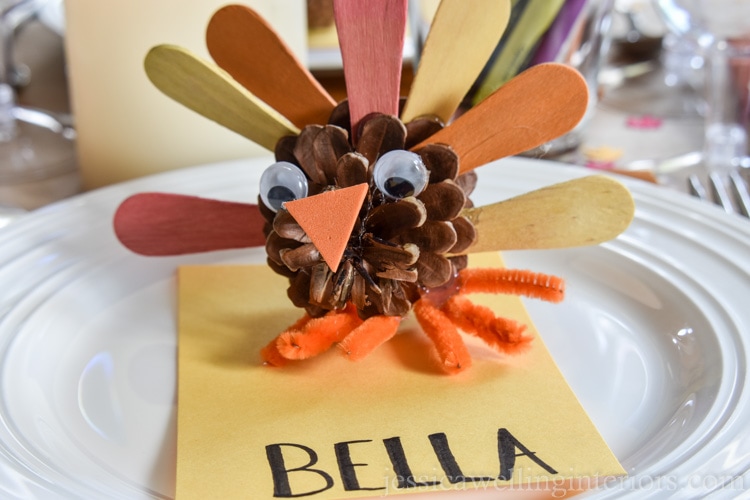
(460, 41)
(208, 90)
(579, 212)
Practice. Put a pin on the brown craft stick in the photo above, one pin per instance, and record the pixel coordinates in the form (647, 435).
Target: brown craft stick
(371, 37)
(584, 211)
(209, 91)
(541, 104)
(173, 224)
(459, 43)
(247, 47)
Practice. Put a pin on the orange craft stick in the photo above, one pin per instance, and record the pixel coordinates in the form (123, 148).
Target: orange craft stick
(248, 48)
(541, 104)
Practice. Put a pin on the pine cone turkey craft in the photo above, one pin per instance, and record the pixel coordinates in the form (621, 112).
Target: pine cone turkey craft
(408, 221)
(367, 215)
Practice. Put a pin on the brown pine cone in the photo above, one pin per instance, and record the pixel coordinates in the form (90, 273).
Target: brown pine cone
(406, 233)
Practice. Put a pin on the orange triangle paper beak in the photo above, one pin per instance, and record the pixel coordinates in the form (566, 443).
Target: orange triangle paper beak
(328, 219)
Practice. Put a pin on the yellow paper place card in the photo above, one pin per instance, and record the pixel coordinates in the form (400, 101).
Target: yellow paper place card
(390, 424)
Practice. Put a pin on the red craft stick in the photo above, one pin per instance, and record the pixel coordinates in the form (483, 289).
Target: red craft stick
(371, 37)
(159, 224)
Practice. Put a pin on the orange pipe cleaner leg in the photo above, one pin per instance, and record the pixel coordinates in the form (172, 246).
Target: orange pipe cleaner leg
(318, 334)
(373, 332)
(513, 282)
(451, 349)
(504, 335)
(271, 355)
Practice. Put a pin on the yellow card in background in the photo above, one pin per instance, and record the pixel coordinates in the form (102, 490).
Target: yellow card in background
(390, 424)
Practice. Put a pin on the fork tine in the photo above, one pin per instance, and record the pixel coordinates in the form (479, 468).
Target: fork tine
(741, 193)
(695, 187)
(719, 193)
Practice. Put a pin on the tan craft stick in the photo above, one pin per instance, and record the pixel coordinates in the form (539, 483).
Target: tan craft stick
(459, 43)
(541, 104)
(209, 91)
(247, 47)
(584, 211)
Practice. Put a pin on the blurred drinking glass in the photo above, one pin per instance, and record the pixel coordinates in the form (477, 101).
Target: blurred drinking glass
(37, 151)
(727, 78)
(722, 31)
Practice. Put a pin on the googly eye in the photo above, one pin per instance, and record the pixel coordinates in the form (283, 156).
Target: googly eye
(282, 182)
(399, 174)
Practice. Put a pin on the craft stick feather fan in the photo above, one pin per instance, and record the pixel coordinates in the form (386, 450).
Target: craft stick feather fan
(403, 223)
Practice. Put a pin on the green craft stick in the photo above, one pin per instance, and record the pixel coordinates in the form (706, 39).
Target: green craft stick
(210, 91)
(529, 22)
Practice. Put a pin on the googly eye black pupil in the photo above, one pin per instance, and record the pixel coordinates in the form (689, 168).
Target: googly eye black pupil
(399, 174)
(277, 195)
(282, 182)
(399, 187)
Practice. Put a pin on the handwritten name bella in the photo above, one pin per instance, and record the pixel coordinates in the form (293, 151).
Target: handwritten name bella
(507, 447)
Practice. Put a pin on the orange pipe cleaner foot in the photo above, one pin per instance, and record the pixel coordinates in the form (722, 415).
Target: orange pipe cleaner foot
(317, 334)
(502, 334)
(441, 316)
(452, 352)
(373, 332)
(271, 355)
(513, 282)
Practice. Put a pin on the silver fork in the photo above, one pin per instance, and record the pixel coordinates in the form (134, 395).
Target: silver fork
(731, 192)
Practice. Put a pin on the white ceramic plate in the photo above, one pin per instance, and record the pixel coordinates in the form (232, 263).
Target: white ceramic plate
(653, 338)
